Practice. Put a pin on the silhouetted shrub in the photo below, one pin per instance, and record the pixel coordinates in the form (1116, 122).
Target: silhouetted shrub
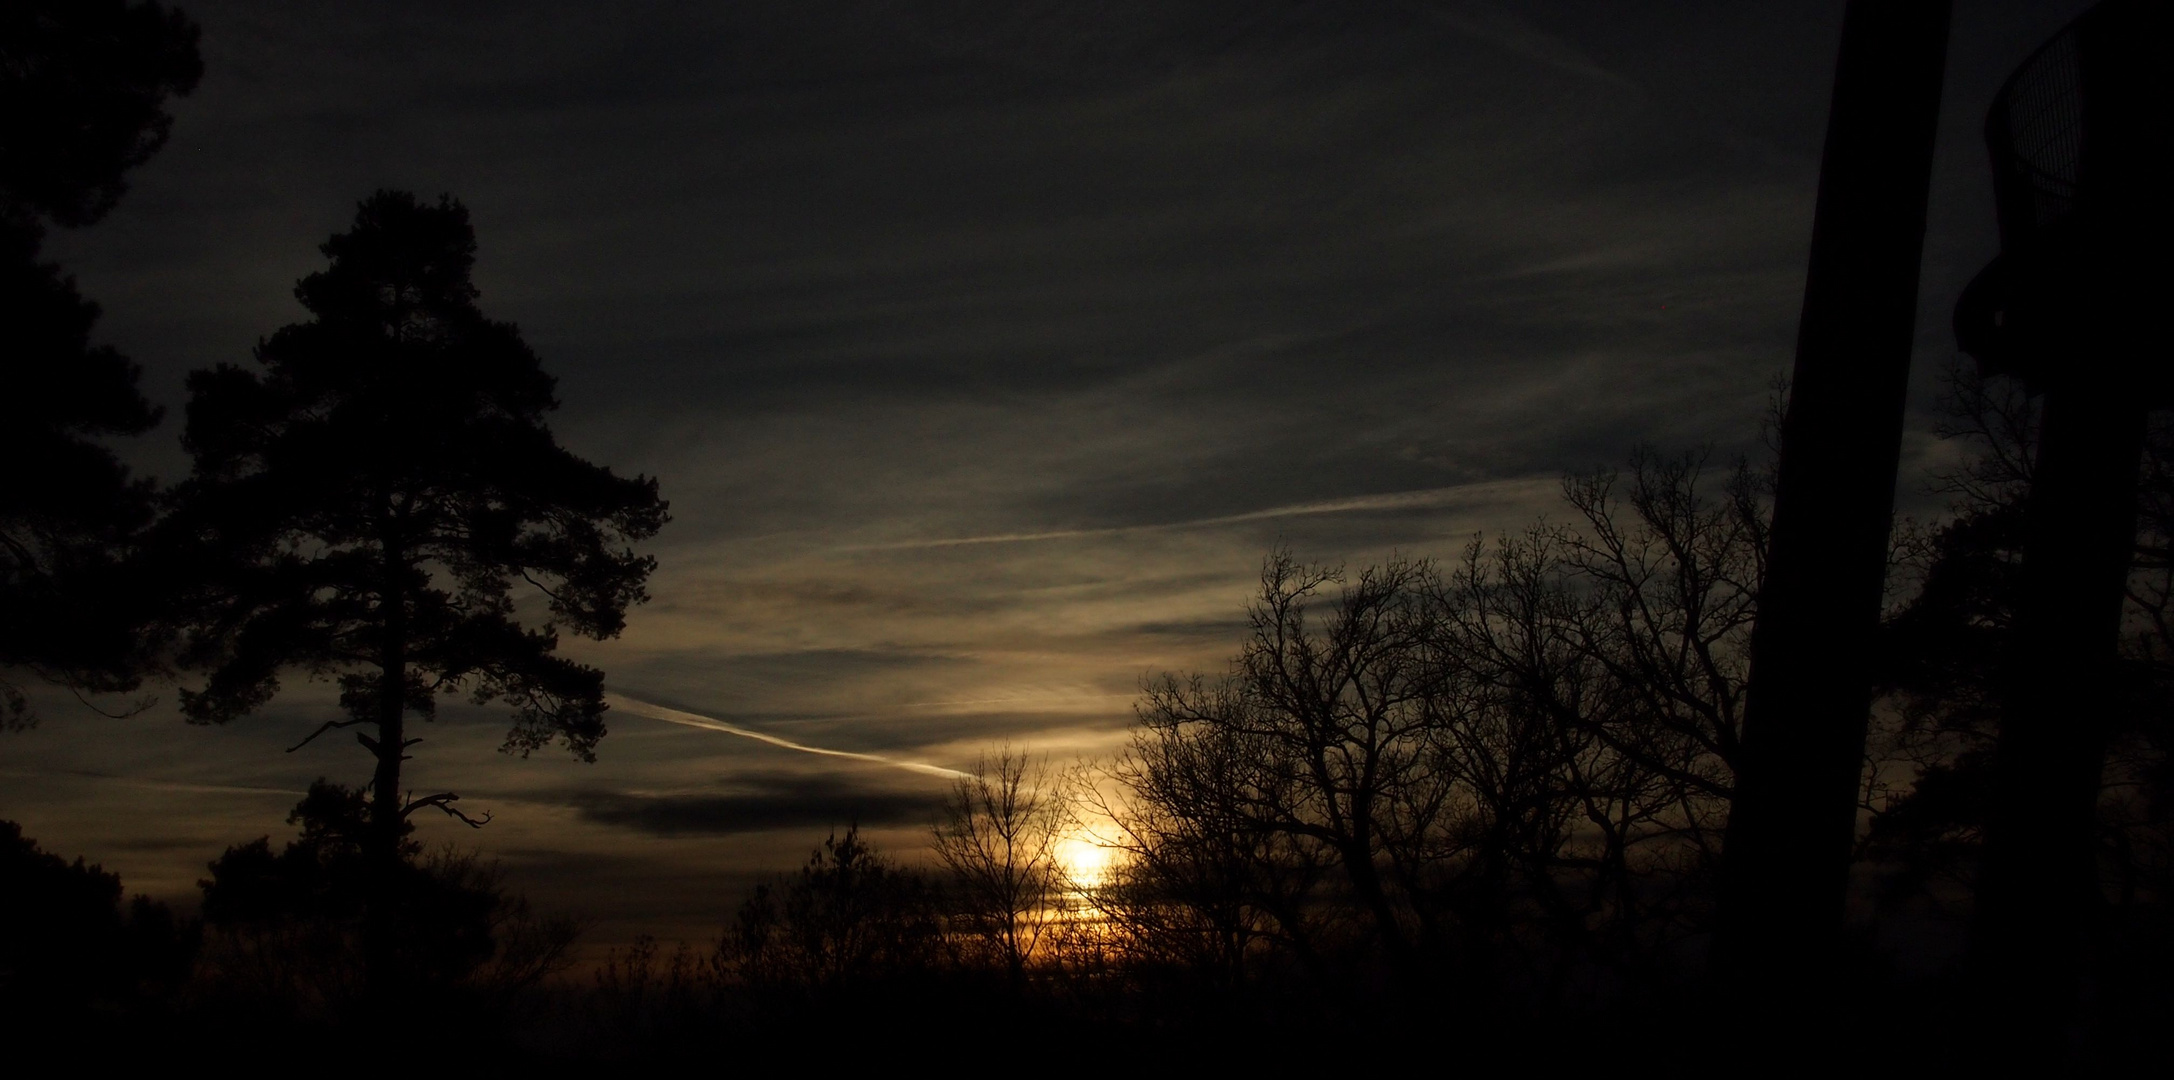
(287, 928)
(70, 950)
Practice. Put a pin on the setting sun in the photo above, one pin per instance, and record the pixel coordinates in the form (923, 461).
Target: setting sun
(1085, 858)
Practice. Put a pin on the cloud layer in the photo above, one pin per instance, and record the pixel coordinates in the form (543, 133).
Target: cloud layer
(983, 349)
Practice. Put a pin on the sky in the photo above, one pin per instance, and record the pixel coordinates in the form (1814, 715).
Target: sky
(983, 350)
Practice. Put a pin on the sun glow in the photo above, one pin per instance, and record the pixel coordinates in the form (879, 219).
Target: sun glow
(1085, 858)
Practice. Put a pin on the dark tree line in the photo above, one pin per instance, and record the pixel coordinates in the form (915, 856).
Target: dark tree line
(282, 956)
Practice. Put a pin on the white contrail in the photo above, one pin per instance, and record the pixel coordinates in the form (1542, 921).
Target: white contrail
(1422, 499)
(711, 723)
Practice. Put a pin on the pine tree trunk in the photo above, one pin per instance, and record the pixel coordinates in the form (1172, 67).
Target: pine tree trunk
(381, 849)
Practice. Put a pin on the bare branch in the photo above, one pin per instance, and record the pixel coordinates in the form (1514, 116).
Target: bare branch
(136, 708)
(329, 725)
(443, 800)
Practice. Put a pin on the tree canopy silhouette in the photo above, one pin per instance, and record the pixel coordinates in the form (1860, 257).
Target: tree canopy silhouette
(284, 938)
(849, 921)
(71, 948)
(365, 503)
(86, 83)
(83, 88)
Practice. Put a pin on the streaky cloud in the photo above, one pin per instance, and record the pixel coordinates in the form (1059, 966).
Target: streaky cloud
(710, 723)
(1421, 499)
(152, 783)
(1502, 29)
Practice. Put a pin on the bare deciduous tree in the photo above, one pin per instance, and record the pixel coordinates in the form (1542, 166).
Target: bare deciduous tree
(1318, 750)
(1201, 885)
(998, 837)
(1523, 760)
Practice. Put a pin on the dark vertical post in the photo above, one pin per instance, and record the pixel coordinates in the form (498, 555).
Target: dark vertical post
(1792, 823)
(2100, 362)
(2039, 889)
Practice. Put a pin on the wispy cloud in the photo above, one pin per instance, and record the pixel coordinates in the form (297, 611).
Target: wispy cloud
(151, 783)
(1386, 502)
(1503, 29)
(711, 723)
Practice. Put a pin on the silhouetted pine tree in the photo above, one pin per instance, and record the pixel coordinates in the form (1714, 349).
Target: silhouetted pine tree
(83, 88)
(364, 503)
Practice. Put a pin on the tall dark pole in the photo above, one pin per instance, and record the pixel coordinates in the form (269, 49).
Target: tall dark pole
(2075, 306)
(2038, 892)
(1793, 820)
